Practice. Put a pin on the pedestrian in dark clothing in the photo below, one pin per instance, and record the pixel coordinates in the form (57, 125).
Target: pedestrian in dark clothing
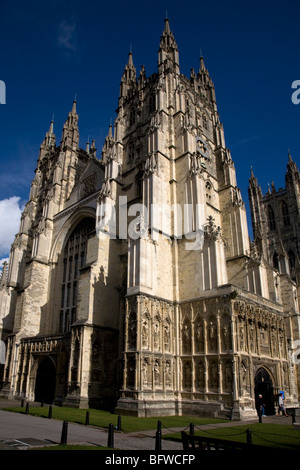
(261, 405)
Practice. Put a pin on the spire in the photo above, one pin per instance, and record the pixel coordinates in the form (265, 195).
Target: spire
(167, 25)
(202, 67)
(206, 83)
(70, 134)
(128, 79)
(49, 140)
(73, 111)
(168, 56)
(87, 148)
(292, 171)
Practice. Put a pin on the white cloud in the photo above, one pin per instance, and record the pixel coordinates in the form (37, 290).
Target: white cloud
(10, 214)
(66, 36)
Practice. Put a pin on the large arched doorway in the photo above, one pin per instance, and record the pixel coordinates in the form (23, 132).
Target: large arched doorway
(45, 381)
(264, 386)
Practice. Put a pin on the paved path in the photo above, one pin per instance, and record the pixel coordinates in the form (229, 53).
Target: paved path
(21, 431)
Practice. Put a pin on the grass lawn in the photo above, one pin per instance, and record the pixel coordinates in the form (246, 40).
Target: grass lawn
(263, 434)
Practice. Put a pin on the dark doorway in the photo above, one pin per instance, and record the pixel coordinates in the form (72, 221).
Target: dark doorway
(45, 382)
(264, 386)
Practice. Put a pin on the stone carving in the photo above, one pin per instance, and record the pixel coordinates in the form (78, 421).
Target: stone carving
(212, 335)
(211, 231)
(156, 333)
(145, 331)
(226, 334)
(105, 190)
(167, 335)
(89, 185)
(227, 375)
(132, 330)
(130, 372)
(187, 375)
(199, 335)
(168, 373)
(156, 371)
(150, 165)
(145, 371)
(186, 337)
(213, 377)
(200, 374)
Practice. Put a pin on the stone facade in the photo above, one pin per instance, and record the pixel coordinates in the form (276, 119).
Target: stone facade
(132, 282)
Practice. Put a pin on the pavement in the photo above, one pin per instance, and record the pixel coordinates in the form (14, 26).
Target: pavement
(24, 432)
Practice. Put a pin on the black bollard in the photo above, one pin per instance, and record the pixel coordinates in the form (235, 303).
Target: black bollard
(64, 433)
(50, 412)
(192, 427)
(249, 436)
(110, 440)
(119, 423)
(22, 403)
(42, 403)
(27, 408)
(87, 418)
(260, 416)
(158, 436)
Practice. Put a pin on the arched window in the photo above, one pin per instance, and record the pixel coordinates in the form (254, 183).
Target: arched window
(131, 151)
(276, 261)
(285, 213)
(152, 103)
(132, 116)
(292, 259)
(74, 258)
(271, 218)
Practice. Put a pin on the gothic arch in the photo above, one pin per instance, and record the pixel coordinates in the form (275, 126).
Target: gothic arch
(264, 385)
(285, 213)
(271, 217)
(45, 380)
(67, 228)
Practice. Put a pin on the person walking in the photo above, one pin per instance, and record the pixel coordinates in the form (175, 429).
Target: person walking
(281, 407)
(261, 405)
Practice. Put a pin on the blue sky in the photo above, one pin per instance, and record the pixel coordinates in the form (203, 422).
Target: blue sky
(52, 50)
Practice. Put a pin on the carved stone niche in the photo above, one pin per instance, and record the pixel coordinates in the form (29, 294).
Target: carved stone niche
(146, 330)
(199, 335)
(227, 375)
(186, 375)
(168, 373)
(130, 372)
(186, 337)
(156, 331)
(226, 333)
(131, 331)
(157, 376)
(199, 374)
(213, 375)
(146, 372)
(167, 335)
(212, 334)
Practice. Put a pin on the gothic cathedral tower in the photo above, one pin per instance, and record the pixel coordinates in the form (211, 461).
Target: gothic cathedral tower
(162, 305)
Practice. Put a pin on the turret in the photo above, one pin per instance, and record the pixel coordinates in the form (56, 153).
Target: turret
(128, 80)
(168, 55)
(206, 84)
(70, 134)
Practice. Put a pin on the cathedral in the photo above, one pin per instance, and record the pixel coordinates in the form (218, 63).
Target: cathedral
(133, 283)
